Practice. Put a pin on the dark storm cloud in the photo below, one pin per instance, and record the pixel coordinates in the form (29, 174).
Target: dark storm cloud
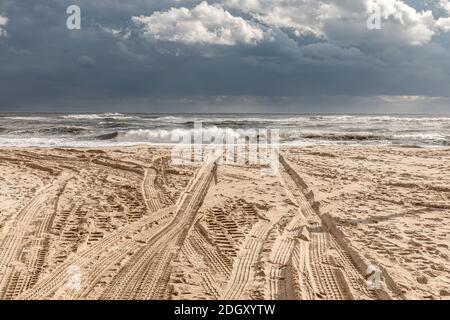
(111, 65)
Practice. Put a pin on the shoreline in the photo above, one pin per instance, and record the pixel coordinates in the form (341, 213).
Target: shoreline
(283, 145)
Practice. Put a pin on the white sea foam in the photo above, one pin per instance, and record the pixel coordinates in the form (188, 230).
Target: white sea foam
(108, 129)
(89, 116)
(175, 135)
(25, 118)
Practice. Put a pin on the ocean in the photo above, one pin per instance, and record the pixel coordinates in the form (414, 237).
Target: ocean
(122, 129)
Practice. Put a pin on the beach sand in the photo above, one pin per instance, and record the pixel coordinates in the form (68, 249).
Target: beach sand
(126, 223)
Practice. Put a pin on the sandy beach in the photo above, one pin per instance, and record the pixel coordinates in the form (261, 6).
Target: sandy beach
(335, 222)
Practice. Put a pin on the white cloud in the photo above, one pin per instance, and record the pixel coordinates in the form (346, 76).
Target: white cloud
(342, 21)
(443, 24)
(406, 23)
(445, 4)
(118, 33)
(204, 23)
(3, 22)
(394, 99)
(303, 16)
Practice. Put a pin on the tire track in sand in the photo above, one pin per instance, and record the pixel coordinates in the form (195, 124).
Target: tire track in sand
(11, 246)
(320, 267)
(242, 274)
(57, 280)
(94, 258)
(147, 274)
(279, 259)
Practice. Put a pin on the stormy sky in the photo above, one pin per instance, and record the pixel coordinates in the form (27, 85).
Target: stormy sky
(226, 56)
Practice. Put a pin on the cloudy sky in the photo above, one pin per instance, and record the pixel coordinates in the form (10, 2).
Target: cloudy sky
(226, 56)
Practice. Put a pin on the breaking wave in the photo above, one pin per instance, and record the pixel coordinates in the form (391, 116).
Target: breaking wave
(100, 116)
(108, 129)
